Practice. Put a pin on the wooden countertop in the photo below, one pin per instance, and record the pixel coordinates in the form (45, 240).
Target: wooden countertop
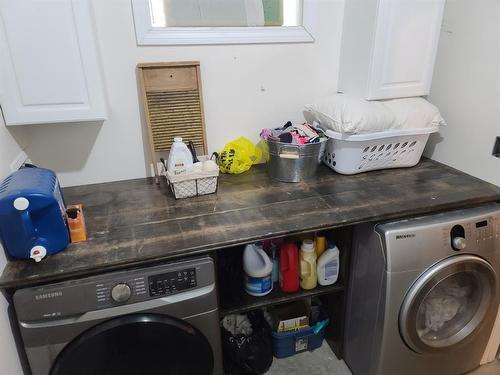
(136, 222)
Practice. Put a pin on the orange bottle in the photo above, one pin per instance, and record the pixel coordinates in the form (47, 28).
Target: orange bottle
(76, 223)
(320, 243)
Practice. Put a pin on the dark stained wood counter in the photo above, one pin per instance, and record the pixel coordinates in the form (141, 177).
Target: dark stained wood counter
(135, 222)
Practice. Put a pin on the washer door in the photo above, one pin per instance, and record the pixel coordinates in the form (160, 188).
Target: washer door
(137, 344)
(448, 304)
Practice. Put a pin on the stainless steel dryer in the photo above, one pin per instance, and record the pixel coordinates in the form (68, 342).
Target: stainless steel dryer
(156, 320)
(424, 293)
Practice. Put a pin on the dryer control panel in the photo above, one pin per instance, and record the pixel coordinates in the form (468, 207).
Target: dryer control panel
(473, 235)
(415, 243)
(485, 231)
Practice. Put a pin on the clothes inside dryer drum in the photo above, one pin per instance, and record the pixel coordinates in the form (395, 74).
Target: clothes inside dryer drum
(146, 344)
(448, 307)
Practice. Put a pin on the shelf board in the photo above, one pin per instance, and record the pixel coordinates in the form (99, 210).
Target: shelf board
(245, 302)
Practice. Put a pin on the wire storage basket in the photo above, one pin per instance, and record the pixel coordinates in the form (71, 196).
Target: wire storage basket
(193, 184)
(357, 153)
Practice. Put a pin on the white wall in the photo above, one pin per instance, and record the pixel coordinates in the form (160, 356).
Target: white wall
(9, 150)
(246, 88)
(466, 87)
(9, 359)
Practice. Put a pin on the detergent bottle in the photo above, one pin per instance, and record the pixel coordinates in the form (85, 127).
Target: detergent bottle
(320, 243)
(180, 159)
(289, 268)
(308, 275)
(328, 265)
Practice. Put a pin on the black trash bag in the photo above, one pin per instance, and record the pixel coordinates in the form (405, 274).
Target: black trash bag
(248, 355)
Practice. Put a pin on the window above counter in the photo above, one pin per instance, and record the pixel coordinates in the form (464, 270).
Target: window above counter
(195, 22)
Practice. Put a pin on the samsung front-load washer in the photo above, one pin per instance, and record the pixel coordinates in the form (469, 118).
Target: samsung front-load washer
(423, 294)
(156, 320)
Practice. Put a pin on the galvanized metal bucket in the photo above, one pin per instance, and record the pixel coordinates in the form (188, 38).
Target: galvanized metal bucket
(294, 163)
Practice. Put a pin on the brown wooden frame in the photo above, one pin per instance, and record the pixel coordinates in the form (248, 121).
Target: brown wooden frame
(141, 68)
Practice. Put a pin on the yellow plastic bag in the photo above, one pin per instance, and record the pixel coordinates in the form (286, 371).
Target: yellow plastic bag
(238, 156)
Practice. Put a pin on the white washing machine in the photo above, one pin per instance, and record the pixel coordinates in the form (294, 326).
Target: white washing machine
(423, 293)
(155, 320)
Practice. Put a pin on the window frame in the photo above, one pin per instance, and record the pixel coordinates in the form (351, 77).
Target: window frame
(147, 35)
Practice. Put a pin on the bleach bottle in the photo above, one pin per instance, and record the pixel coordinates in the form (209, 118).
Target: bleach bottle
(328, 265)
(258, 269)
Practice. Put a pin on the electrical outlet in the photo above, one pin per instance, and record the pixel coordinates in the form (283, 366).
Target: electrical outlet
(496, 148)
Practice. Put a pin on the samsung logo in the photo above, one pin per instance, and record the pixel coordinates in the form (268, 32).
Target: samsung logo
(404, 236)
(43, 296)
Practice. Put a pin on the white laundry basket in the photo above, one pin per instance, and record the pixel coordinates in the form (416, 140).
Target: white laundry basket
(351, 154)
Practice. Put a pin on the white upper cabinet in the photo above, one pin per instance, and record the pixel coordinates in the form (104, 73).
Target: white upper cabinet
(389, 47)
(49, 65)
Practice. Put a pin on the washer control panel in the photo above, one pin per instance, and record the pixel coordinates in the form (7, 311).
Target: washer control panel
(74, 297)
(135, 289)
(111, 292)
(121, 293)
(172, 282)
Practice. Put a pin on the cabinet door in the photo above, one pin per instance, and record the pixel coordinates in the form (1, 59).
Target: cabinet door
(49, 65)
(404, 48)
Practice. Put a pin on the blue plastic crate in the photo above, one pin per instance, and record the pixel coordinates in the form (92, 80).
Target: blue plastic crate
(286, 344)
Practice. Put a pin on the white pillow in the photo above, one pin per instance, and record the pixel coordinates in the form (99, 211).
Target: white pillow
(349, 114)
(414, 113)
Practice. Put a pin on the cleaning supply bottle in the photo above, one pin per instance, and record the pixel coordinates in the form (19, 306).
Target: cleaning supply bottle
(289, 268)
(328, 265)
(258, 271)
(308, 276)
(180, 159)
(275, 259)
(320, 243)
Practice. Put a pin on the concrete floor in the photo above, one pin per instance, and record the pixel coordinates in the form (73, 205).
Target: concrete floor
(492, 368)
(322, 361)
(319, 362)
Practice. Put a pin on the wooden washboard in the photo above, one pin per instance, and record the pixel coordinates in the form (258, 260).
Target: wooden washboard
(173, 105)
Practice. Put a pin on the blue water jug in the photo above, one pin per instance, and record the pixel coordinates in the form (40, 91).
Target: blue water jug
(32, 214)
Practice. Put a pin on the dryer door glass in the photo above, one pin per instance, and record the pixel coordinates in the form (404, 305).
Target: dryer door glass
(137, 344)
(448, 304)
(449, 307)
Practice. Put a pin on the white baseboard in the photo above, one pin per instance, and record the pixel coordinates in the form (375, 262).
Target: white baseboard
(494, 343)
(18, 161)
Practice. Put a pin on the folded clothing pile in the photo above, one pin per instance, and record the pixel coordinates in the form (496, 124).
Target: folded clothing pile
(294, 134)
(349, 114)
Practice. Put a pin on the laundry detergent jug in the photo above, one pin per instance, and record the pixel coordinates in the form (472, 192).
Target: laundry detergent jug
(180, 159)
(328, 265)
(32, 214)
(308, 276)
(289, 268)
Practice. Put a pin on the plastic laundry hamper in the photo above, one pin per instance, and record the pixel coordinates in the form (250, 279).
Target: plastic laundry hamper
(351, 154)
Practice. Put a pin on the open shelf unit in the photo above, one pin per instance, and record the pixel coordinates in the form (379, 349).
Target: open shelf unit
(234, 300)
(245, 302)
